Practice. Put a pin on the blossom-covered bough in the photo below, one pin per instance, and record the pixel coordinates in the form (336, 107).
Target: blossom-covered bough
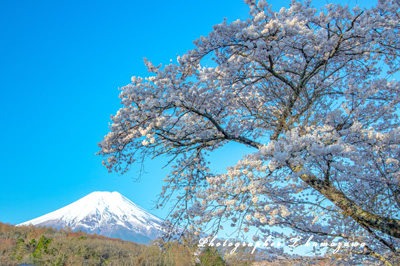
(312, 92)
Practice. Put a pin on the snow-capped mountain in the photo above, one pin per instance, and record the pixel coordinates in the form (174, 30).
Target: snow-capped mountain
(105, 213)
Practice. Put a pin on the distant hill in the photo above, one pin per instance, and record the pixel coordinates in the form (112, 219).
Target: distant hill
(42, 246)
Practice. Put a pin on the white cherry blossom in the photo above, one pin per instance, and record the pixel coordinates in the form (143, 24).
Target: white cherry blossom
(312, 92)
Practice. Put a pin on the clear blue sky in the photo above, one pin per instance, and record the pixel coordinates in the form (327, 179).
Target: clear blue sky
(61, 63)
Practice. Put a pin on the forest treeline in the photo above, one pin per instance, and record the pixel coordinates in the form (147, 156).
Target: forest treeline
(49, 246)
(45, 246)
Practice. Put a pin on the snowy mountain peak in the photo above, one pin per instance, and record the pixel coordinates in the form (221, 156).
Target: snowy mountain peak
(105, 213)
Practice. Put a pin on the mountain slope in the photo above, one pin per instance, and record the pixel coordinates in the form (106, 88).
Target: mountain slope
(105, 213)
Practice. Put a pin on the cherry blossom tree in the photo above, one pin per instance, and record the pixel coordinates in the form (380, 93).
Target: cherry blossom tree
(312, 92)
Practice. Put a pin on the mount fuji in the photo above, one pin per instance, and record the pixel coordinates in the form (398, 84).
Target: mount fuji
(105, 213)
